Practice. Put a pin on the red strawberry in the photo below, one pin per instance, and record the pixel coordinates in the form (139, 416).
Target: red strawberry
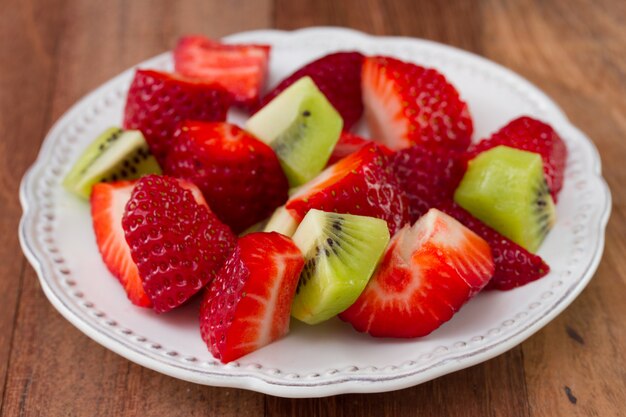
(531, 135)
(240, 69)
(249, 303)
(427, 273)
(107, 208)
(407, 104)
(348, 144)
(362, 183)
(157, 102)
(338, 76)
(428, 176)
(515, 266)
(239, 175)
(176, 241)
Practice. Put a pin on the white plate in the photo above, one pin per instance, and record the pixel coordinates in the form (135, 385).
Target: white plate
(57, 238)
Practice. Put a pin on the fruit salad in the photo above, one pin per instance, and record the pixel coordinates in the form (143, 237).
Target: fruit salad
(293, 215)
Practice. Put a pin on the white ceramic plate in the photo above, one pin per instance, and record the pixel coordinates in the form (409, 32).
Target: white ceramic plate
(57, 238)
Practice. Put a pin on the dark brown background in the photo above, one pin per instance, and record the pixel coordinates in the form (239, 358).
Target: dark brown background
(53, 52)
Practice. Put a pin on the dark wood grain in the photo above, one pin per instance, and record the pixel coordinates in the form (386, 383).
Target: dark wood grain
(26, 88)
(53, 52)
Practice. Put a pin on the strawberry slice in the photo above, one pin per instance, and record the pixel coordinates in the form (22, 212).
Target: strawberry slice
(240, 69)
(108, 201)
(338, 76)
(531, 135)
(362, 183)
(239, 175)
(515, 266)
(428, 176)
(178, 244)
(157, 102)
(249, 303)
(427, 273)
(407, 104)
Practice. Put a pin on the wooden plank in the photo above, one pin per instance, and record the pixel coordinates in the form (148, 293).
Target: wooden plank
(54, 369)
(27, 62)
(368, 15)
(457, 22)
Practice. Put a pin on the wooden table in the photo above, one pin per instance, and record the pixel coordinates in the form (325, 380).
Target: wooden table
(53, 52)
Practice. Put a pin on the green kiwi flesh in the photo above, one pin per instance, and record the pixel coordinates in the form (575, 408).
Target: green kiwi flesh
(506, 189)
(341, 252)
(115, 155)
(302, 127)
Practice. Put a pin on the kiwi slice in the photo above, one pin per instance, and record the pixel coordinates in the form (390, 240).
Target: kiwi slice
(341, 252)
(115, 155)
(302, 127)
(506, 189)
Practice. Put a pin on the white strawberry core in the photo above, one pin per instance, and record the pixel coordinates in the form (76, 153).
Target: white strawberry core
(266, 322)
(383, 109)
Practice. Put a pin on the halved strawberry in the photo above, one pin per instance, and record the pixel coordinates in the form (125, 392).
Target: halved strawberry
(427, 273)
(178, 244)
(157, 102)
(249, 303)
(239, 175)
(108, 201)
(362, 183)
(407, 104)
(428, 176)
(531, 135)
(515, 266)
(338, 76)
(240, 68)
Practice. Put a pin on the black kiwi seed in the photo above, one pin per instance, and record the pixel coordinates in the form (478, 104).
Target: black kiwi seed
(542, 194)
(306, 113)
(308, 269)
(129, 165)
(325, 248)
(321, 250)
(109, 140)
(126, 160)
